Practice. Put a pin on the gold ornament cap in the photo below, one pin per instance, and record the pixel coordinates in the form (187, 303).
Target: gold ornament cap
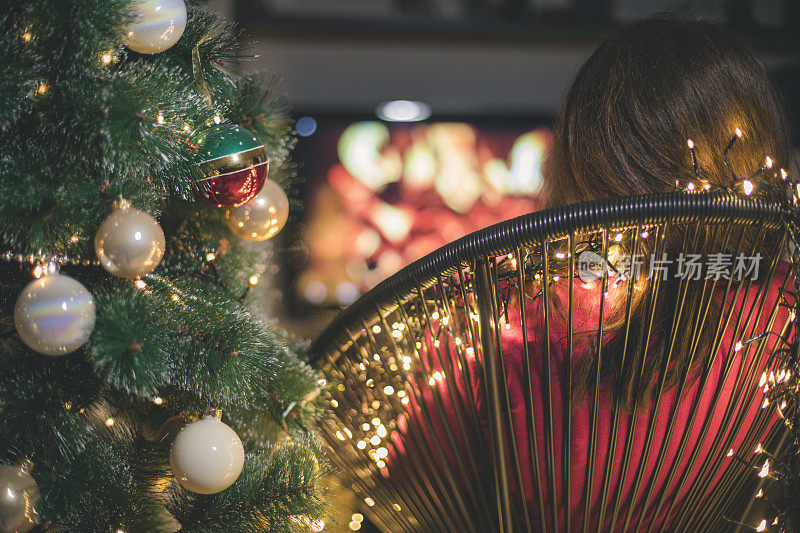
(25, 464)
(122, 203)
(214, 410)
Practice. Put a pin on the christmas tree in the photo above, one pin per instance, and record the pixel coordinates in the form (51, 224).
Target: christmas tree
(134, 206)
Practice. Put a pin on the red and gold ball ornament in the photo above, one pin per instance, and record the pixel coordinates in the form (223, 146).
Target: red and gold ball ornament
(234, 164)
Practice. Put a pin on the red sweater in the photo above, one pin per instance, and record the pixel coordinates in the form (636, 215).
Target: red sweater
(726, 405)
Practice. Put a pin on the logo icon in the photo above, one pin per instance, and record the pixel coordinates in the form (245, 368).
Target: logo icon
(591, 266)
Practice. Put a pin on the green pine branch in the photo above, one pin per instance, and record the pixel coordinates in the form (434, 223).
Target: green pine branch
(277, 491)
(83, 122)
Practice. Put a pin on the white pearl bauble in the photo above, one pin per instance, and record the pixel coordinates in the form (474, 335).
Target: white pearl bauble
(54, 315)
(129, 243)
(159, 24)
(207, 456)
(262, 217)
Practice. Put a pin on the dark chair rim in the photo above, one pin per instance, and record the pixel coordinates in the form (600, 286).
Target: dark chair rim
(715, 207)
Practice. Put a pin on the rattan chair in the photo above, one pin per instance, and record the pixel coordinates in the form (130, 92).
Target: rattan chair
(470, 393)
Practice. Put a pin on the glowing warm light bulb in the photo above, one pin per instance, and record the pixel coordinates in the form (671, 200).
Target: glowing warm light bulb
(140, 284)
(253, 279)
(784, 174)
(109, 422)
(730, 453)
(107, 58)
(210, 256)
(158, 400)
(764, 470)
(738, 132)
(762, 525)
(369, 501)
(690, 187)
(690, 143)
(768, 161)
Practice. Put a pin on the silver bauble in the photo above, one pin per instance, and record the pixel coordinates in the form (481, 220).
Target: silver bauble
(129, 243)
(262, 217)
(207, 456)
(54, 315)
(158, 25)
(19, 494)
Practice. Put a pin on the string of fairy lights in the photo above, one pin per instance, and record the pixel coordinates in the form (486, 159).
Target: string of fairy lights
(370, 429)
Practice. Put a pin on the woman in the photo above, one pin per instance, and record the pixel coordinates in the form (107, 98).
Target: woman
(624, 130)
(665, 383)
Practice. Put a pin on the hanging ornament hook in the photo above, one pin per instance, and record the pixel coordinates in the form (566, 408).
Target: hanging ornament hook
(197, 71)
(214, 409)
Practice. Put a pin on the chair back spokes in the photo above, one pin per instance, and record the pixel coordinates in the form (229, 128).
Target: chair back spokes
(606, 365)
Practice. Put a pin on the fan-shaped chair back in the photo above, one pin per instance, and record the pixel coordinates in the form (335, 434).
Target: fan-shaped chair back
(598, 366)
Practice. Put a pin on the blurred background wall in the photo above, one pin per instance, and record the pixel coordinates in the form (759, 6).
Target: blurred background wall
(382, 186)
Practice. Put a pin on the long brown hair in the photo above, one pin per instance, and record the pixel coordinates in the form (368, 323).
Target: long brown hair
(624, 127)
